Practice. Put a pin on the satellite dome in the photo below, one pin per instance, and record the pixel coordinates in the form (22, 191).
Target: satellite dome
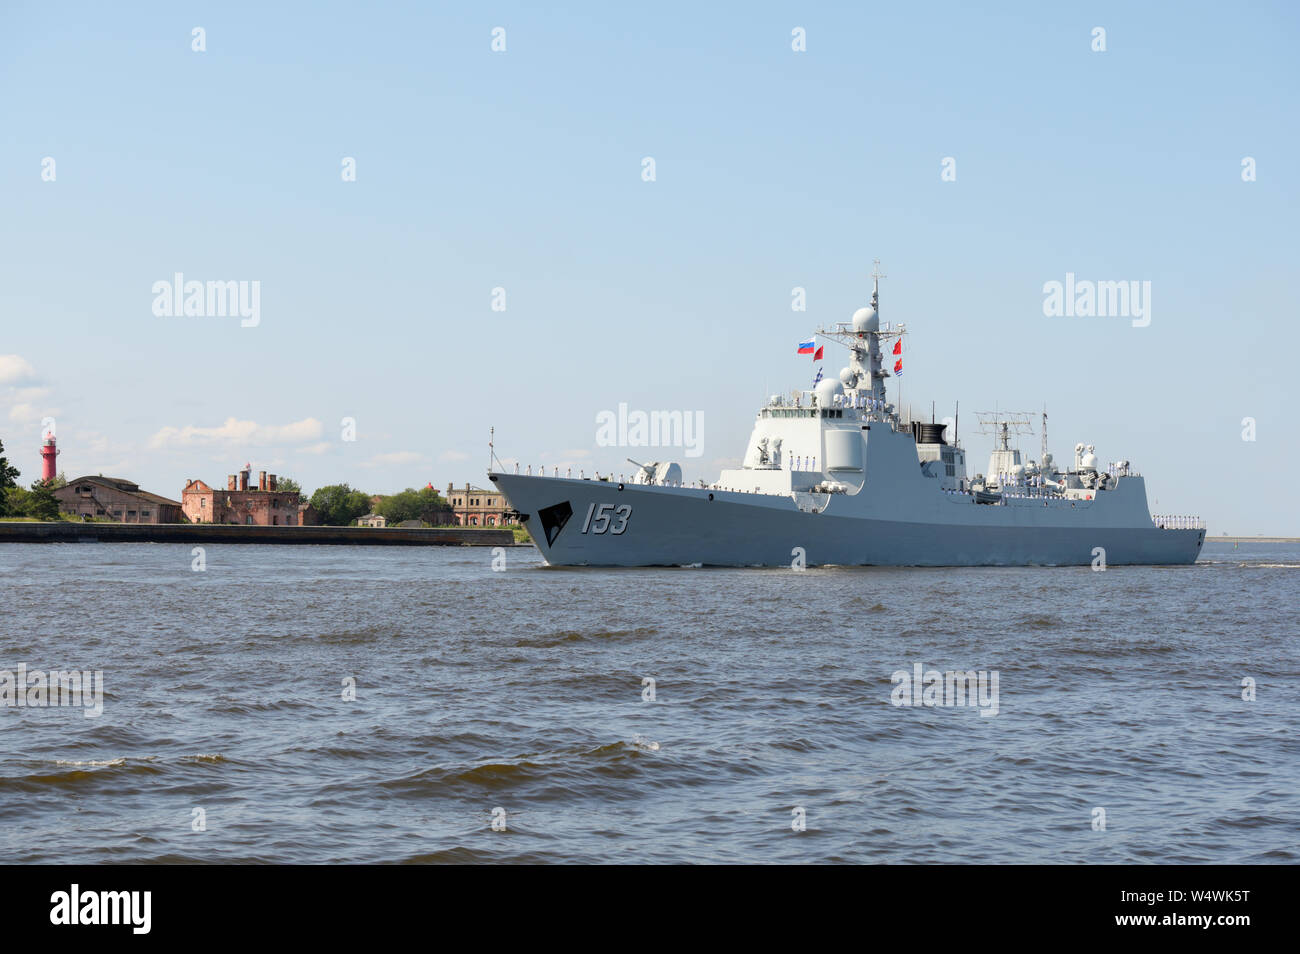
(866, 319)
(826, 390)
(1089, 462)
(848, 378)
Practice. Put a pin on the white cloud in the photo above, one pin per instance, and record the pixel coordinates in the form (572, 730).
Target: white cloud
(453, 455)
(26, 404)
(90, 452)
(14, 368)
(236, 433)
(30, 414)
(321, 448)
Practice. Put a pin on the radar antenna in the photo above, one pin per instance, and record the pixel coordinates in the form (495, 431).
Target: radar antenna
(1003, 424)
(1043, 457)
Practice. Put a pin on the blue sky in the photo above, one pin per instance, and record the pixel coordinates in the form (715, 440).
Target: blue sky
(523, 170)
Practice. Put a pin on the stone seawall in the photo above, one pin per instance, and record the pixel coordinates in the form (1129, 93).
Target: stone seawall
(67, 532)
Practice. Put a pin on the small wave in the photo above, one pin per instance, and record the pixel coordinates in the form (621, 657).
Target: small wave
(639, 743)
(551, 640)
(233, 707)
(1250, 821)
(489, 775)
(859, 601)
(1041, 622)
(76, 772)
(1278, 854)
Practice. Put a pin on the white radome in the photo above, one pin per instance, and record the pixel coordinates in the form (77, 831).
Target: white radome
(826, 390)
(866, 319)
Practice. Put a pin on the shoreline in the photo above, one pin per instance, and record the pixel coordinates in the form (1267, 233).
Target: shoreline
(1253, 539)
(212, 533)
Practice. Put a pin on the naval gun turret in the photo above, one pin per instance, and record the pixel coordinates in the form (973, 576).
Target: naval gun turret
(664, 473)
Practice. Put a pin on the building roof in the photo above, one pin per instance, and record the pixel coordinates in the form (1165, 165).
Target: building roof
(118, 483)
(124, 486)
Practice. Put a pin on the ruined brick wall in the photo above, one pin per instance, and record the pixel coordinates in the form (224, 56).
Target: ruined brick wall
(259, 508)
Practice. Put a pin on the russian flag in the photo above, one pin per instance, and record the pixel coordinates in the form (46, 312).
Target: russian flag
(807, 347)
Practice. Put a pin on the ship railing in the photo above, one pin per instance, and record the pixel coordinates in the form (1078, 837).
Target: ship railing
(1178, 522)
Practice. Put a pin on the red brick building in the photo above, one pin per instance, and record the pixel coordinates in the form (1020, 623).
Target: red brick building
(475, 507)
(260, 506)
(112, 498)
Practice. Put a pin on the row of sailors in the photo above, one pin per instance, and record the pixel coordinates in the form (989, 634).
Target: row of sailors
(1166, 522)
(796, 463)
(863, 401)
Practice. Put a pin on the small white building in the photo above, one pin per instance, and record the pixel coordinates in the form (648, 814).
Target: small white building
(372, 520)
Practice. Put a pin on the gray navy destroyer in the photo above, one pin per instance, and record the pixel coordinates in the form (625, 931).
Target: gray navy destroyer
(835, 476)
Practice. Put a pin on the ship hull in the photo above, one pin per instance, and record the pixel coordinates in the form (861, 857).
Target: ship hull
(678, 526)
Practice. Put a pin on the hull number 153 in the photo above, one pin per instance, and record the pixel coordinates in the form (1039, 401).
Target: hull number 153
(606, 517)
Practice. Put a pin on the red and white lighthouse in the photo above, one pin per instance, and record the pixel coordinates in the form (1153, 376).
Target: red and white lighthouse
(49, 451)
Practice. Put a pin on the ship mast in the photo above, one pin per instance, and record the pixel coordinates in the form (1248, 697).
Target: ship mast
(879, 373)
(1042, 458)
(864, 378)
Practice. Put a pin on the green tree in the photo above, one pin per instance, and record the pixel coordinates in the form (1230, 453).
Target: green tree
(7, 483)
(15, 501)
(41, 502)
(425, 505)
(339, 505)
(288, 483)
